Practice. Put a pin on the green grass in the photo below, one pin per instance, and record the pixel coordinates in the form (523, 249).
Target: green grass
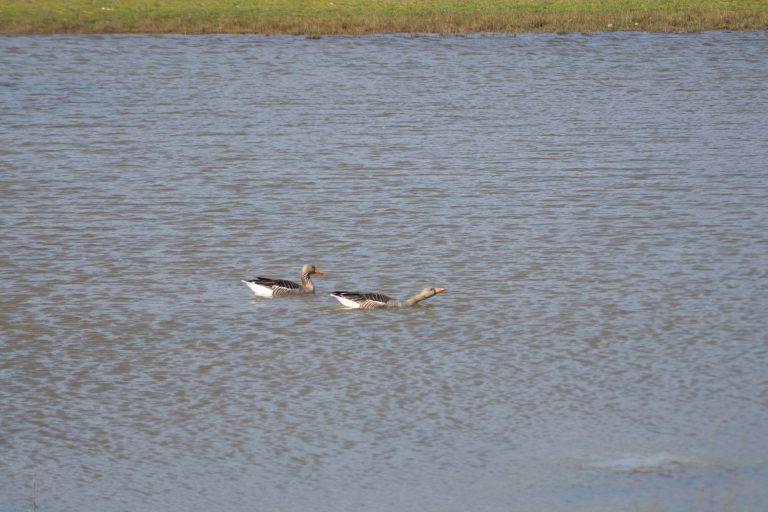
(320, 17)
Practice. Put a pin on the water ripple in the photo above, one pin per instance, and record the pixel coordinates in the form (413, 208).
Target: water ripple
(594, 204)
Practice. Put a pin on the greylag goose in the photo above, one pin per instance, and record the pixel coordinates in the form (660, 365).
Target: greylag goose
(265, 287)
(379, 300)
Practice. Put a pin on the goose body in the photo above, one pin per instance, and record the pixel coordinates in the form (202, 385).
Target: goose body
(372, 300)
(266, 287)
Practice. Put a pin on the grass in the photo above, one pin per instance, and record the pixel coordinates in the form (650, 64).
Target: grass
(326, 17)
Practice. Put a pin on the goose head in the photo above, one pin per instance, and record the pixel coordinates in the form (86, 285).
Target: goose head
(308, 269)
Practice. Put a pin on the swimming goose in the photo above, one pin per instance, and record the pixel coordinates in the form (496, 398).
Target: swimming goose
(265, 287)
(379, 300)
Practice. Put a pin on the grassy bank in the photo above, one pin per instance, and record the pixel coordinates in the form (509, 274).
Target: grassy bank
(315, 17)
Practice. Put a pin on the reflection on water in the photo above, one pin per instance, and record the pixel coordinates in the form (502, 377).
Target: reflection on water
(595, 206)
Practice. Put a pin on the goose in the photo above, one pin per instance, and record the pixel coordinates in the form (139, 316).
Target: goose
(379, 300)
(265, 287)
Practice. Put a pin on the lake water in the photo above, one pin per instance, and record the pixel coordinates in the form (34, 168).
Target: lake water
(595, 205)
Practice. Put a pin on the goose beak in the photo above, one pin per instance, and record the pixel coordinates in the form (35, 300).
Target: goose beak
(439, 290)
(317, 271)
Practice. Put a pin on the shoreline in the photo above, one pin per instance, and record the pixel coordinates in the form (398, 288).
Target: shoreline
(415, 35)
(375, 17)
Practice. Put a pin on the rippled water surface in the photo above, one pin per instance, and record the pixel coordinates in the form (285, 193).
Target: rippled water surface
(595, 205)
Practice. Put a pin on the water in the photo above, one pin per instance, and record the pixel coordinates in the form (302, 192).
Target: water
(595, 205)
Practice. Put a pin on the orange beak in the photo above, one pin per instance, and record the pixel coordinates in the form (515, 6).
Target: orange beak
(317, 271)
(439, 290)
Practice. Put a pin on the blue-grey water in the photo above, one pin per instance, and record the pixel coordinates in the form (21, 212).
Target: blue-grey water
(595, 205)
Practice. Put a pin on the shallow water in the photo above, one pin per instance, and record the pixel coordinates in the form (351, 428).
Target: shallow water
(595, 205)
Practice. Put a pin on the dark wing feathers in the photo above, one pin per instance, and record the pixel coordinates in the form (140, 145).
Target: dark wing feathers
(363, 297)
(276, 283)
